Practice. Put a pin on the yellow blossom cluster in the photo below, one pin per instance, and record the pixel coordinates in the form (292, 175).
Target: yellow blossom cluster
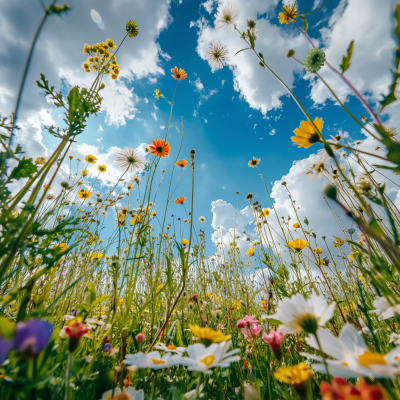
(101, 59)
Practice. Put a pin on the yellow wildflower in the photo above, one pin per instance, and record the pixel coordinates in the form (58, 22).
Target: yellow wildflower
(288, 13)
(294, 375)
(250, 252)
(209, 335)
(307, 135)
(298, 244)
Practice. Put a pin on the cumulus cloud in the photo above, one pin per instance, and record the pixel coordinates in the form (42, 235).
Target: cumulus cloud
(58, 53)
(372, 54)
(256, 85)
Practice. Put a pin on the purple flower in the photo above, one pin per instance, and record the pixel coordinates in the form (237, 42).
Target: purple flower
(5, 347)
(31, 337)
(107, 347)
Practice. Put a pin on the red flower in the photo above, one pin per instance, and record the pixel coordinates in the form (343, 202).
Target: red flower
(75, 331)
(341, 390)
(180, 200)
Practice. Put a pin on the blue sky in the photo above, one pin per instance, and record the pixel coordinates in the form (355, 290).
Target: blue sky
(243, 113)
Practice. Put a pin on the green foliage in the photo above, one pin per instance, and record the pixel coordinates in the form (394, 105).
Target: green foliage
(25, 169)
(346, 60)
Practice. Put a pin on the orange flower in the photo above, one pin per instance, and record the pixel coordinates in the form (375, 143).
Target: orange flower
(160, 148)
(180, 74)
(181, 163)
(180, 200)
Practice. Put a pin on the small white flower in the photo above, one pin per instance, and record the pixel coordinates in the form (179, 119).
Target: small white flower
(170, 349)
(131, 394)
(152, 360)
(384, 308)
(217, 57)
(394, 338)
(202, 358)
(227, 15)
(351, 357)
(299, 314)
(192, 393)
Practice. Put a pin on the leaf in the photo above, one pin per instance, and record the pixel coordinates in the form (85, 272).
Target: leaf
(391, 97)
(169, 274)
(247, 48)
(73, 101)
(25, 169)
(251, 38)
(345, 65)
(305, 26)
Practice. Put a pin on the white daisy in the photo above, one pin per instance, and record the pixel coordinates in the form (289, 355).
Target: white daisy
(192, 393)
(217, 55)
(152, 360)
(352, 358)
(384, 308)
(130, 394)
(170, 348)
(130, 159)
(202, 358)
(299, 314)
(227, 14)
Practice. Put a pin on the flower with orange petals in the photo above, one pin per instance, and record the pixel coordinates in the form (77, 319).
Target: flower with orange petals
(339, 389)
(180, 200)
(178, 74)
(160, 148)
(181, 163)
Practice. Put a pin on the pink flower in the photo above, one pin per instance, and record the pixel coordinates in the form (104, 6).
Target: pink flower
(253, 330)
(140, 337)
(247, 320)
(219, 327)
(274, 339)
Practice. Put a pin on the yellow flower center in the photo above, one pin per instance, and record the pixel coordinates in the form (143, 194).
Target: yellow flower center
(208, 360)
(171, 347)
(156, 362)
(369, 358)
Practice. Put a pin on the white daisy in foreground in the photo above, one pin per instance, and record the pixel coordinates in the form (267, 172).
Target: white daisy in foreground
(192, 393)
(152, 360)
(202, 358)
(128, 394)
(299, 314)
(352, 358)
(227, 15)
(171, 348)
(384, 308)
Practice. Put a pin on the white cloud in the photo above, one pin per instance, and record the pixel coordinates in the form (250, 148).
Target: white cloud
(255, 84)
(208, 5)
(60, 55)
(100, 127)
(198, 84)
(272, 133)
(205, 120)
(195, 113)
(99, 139)
(372, 54)
(254, 126)
(162, 126)
(153, 114)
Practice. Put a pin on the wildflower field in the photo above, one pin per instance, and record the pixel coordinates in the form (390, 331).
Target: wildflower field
(150, 309)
